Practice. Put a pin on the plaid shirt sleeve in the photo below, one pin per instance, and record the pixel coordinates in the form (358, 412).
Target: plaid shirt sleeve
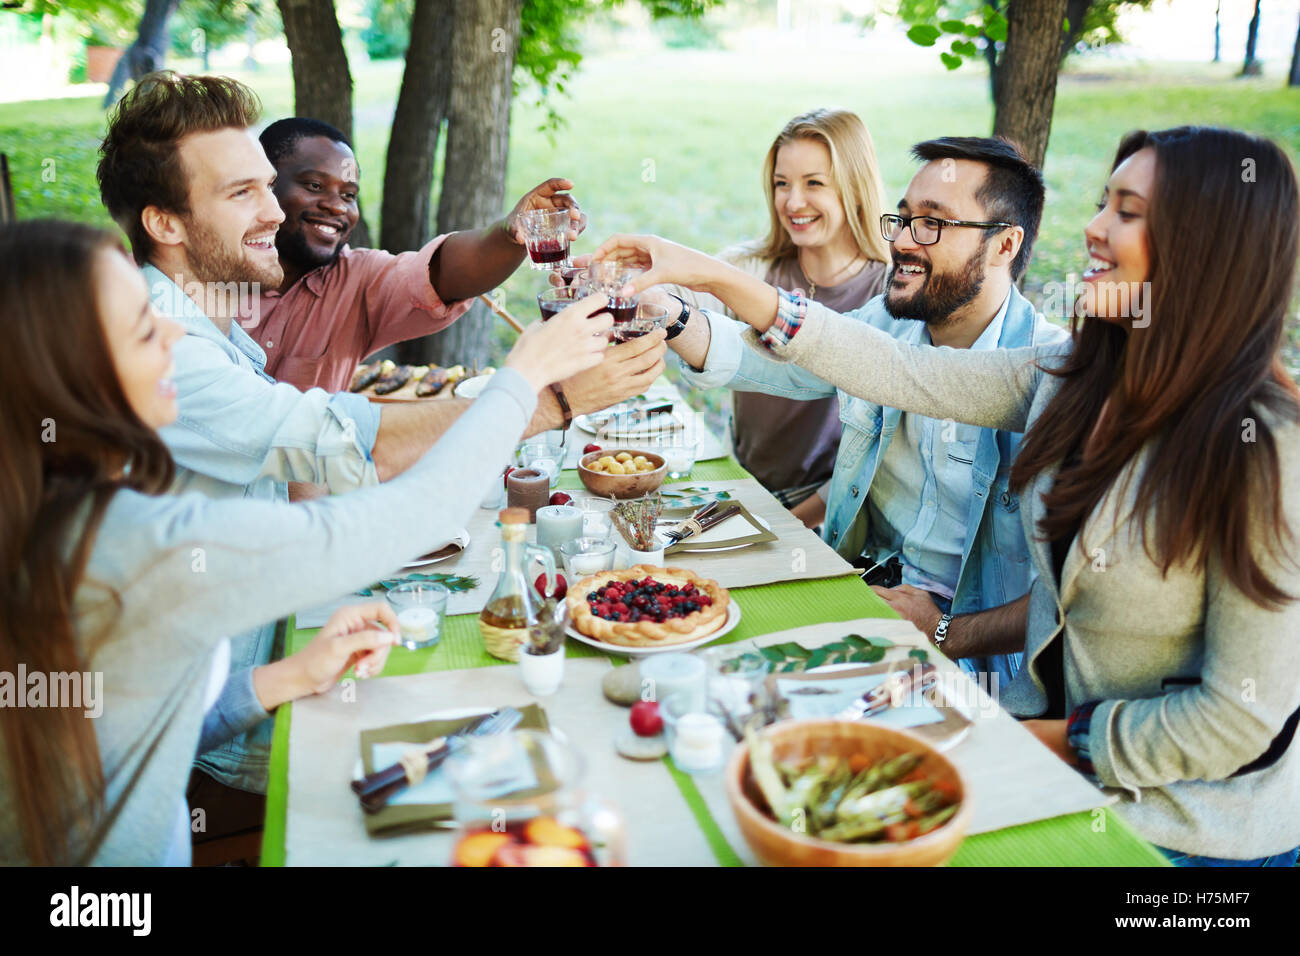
(790, 312)
(1077, 729)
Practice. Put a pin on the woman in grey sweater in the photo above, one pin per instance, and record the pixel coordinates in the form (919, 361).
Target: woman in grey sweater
(1160, 476)
(106, 577)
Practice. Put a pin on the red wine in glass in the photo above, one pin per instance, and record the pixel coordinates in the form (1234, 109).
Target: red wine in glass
(625, 333)
(569, 273)
(623, 310)
(553, 307)
(548, 250)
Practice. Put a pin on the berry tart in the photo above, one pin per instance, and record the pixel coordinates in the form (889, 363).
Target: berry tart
(645, 606)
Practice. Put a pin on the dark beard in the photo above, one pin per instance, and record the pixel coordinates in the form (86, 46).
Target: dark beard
(940, 295)
(293, 249)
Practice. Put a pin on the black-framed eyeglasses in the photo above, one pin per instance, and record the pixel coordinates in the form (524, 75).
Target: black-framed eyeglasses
(926, 230)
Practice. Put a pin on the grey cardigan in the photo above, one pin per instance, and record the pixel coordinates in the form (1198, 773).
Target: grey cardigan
(1133, 638)
(189, 570)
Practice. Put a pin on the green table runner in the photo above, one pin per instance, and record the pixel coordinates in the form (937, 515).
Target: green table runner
(1083, 839)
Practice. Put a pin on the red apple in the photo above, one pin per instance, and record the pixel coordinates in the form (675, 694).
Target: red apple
(560, 498)
(645, 719)
(588, 449)
(561, 586)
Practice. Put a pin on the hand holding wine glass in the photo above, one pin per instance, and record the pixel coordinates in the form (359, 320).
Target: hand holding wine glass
(546, 197)
(571, 342)
(660, 260)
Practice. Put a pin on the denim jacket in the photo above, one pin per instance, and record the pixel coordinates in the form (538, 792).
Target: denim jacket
(239, 433)
(995, 566)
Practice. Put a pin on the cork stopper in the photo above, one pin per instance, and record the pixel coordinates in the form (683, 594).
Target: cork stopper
(513, 516)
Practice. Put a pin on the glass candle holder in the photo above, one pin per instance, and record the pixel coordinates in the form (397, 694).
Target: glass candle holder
(543, 456)
(587, 556)
(596, 511)
(420, 607)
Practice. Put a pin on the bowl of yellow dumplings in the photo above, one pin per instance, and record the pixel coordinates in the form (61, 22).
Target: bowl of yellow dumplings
(622, 472)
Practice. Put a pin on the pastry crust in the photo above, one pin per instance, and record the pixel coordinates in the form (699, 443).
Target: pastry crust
(675, 630)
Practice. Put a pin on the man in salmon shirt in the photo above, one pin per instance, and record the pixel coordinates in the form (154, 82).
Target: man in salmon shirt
(338, 305)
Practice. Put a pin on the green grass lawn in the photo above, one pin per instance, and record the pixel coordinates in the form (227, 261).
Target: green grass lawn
(672, 141)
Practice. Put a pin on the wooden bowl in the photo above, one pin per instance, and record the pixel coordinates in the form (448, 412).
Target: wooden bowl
(776, 845)
(622, 486)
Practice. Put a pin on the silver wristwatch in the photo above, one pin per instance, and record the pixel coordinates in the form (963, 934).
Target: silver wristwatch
(941, 632)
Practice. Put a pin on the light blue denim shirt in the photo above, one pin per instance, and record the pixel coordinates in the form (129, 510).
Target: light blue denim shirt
(239, 433)
(995, 565)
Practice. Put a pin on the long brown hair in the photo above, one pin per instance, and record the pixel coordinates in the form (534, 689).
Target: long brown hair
(855, 177)
(1222, 233)
(70, 440)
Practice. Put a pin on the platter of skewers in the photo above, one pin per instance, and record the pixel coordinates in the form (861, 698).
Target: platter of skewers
(388, 381)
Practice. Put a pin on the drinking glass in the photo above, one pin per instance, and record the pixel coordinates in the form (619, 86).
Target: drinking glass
(543, 456)
(644, 318)
(596, 511)
(420, 607)
(556, 299)
(546, 235)
(575, 277)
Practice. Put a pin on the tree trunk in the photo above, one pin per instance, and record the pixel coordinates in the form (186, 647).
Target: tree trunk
(1252, 66)
(1076, 11)
(1217, 7)
(421, 107)
(322, 82)
(1294, 78)
(485, 38)
(1027, 81)
(147, 53)
(991, 56)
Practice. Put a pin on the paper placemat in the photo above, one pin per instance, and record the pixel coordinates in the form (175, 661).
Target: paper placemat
(324, 826)
(740, 528)
(415, 808)
(1013, 778)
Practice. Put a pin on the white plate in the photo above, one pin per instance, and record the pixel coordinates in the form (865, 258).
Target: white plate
(664, 422)
(471, 387)
(733, 618)
(462, 538)
(727, 529)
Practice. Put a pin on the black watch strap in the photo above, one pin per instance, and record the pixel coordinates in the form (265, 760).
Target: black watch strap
(678, 327)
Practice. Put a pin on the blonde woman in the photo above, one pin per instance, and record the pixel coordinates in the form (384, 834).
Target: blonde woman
(824, 198)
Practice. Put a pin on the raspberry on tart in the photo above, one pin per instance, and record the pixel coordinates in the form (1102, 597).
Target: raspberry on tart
(645, 606)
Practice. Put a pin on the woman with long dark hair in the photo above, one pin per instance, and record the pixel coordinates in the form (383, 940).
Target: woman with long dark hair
(1161, 480)
(103, 574)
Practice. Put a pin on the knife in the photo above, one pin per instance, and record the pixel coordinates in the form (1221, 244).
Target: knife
(712, 520)
(376, 789)
(880, 698)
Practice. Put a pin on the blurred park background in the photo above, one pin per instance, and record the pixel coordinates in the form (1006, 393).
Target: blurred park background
(662, 119)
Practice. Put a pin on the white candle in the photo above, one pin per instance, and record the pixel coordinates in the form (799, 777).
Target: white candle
(678, 460)
(415, 623)
(697, 743)
(582, 565)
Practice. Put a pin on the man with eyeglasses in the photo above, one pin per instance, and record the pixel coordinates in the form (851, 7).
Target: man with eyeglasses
(922, 505)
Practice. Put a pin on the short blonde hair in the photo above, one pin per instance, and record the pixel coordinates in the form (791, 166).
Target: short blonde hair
(855, 177)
